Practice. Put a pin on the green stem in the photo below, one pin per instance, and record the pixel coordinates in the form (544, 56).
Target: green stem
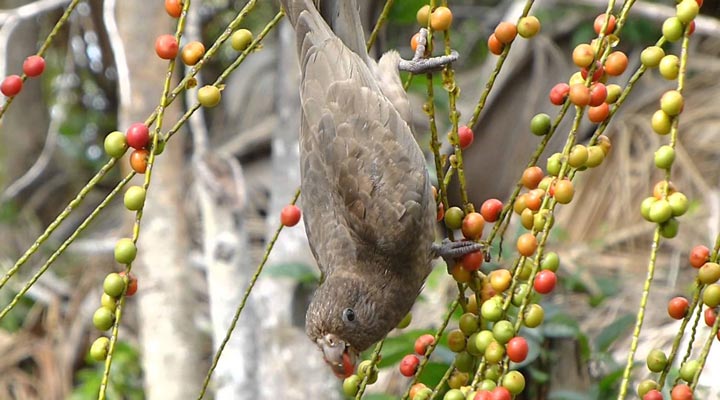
(374, 359)
(381, 20)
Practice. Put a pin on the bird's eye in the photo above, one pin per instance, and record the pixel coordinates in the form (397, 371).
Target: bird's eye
(348, 315)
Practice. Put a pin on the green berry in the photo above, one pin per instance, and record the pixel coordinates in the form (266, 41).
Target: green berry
(209, 96)
(491, 309)
(613, 93)
(651, 56)
(646, 386)
(534, 315)
(660, 211)
(464, 361)
(514, 381)
(351, 385)
(503, 331)
(656, 360)
(454, 217)
(487, 384)
(678, 203)
(711, 295)
(125, 251)
(645, 207)
(134, 198)
(99, 348)
(664, 157)
(687, 10)
(494, 353)
(454, 394)
(468, 323)
(241, 39)
(672, 29)
(578, 156)
(113, 285)
(554, 163)
(103, 318)
(483, 339)
(540, 124)
(669, 229)
(108, 302)
(661, 122)
(709, 273)
(456, 340)
(550, 261)
(672, 102)
(670, 67)
(115, 144)
(688, 369)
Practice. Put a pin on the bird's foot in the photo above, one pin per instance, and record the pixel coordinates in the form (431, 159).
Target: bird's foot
(450, 250)
(419, 64)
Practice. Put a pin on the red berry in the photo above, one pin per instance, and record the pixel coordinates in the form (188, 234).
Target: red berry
(173, 8)
(472, 261)
(681, 392)
(559, 93)
(600, 20)
(472, 225)
(598, 94)
(501, 393)
(653, 395)
(491, 209)
(616, 63)
(598, 114)
(11, 85)
(495, 46)
(545, 281)
(409, 365)
(33, 66)
(678, 307)
(138, 135)
(517, 349)
(423, 342)
(699, 256)
(710, 317)
(483, 395)
(579, 95)
(290, 215)
(599, 71)
(465, 136)
(132, 284)
(166, 47)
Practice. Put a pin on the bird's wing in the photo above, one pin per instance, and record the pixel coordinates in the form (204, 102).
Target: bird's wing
(374, 170)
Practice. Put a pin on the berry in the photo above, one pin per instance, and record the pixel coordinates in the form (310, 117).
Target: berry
(710, 316)
(527, 244)
(653, 395)
(491, 309)
(559, 93)
(423, 342)
(598, 94)
(132, 284)
(495, 46)
(672, 29)
(423, 16)
(465, 137)
(678, 307)
(173, 8)
(505, 32)
(139, 160)
(688, 370)
(598, 114)
(115, 144)
(501, 393)
(351, 385)
(600, 21)
(472, 261)
(11, 85)
(616, 63)
(491, 209)
(468, 323)
(456, 341)
(494, 352)
(664, 157)
(500, 280)
(405, 322)
(672, 102)
(517, 349)
(709, 273)
(532, 176)
(472, 225)
(669, 67)
(441, 19)
(613, 93)
(583, 55)
(656, 360)
(125, 251)
(699, 256)
(113, 285)
(166, 47)
(409, 365)
(290, 215)
(99, 348)
(651, 56)
(687, 10)
(192, 53)
(528, 26)
(134, 198)
(103, 319)
(681, 392)
(454, 217)
(34, 66)
(108, 302)
(545, 282)
(241, 39)
(503, 331)
(564, 191)
(514, 381)
(579, 95)
(534, 316)
(540, 124)
(209, 96)
(578, 156)
(138, 135)
(661, 122)
(414, 41)
(711, 295)
(646, 386)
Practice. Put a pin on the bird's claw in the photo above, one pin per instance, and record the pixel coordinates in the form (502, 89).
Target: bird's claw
(450, 250)
(419, 64)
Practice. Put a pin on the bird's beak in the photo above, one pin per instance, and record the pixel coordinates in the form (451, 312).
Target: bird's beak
(338, 354)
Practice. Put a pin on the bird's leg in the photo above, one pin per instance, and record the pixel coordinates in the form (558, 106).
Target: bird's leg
(419, 64)
(450, 250)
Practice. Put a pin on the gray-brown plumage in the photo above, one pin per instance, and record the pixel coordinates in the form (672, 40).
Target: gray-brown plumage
(366, 197)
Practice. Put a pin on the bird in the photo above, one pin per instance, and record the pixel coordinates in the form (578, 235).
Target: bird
(367, 201)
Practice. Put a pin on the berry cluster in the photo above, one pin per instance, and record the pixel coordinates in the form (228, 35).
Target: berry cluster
(33, 66)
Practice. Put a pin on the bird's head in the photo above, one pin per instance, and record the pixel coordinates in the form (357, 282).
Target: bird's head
(343, 321)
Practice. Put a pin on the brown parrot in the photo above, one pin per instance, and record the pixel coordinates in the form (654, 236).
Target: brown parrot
(366, 195)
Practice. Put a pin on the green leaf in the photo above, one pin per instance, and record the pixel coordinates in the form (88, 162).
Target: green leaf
(612, 332)
(432, 373)
(299, 272)
(396, 347)
(404, 12)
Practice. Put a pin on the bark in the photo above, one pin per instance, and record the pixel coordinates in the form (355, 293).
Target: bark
(170, 342)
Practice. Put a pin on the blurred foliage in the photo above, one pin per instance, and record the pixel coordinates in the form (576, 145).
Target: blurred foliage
(125, 381)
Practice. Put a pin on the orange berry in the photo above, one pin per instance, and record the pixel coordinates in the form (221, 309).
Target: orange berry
(505, 32)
